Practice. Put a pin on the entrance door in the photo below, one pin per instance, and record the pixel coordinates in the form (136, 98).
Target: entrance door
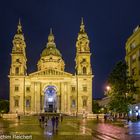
(50, 99)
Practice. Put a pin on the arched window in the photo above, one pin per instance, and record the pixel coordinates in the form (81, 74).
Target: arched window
(73, 103)
(84, 103)
(27, 103)
(16, 103)
(17, 70)
(84, 70)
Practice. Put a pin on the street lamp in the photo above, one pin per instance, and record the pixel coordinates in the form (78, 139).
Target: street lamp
(108, 88)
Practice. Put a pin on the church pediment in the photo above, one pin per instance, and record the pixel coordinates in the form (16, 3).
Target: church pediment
(50, 72)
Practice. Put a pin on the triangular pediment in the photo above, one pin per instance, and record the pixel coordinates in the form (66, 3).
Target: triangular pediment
(50, 72)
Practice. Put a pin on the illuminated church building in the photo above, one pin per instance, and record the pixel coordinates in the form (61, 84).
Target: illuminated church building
(50, 88)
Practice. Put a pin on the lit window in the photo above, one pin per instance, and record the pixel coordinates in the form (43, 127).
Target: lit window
(133, 58)
(132, 45)
(16, 103)
(16, 88)
(136, 107)
(50, 99)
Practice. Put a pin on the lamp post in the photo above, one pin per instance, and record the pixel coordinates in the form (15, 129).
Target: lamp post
(108, 88)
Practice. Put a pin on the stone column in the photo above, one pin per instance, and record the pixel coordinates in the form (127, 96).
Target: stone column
(58, 103)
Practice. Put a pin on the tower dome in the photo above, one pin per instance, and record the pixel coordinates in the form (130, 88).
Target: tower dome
(51, 47)
(51, 56)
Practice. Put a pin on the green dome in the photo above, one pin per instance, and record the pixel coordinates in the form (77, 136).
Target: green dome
(51, 50)
(51, 47)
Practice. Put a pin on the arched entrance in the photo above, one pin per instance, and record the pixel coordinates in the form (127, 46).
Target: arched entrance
(50, 99)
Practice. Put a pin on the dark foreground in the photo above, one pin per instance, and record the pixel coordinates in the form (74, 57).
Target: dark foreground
(69, 129)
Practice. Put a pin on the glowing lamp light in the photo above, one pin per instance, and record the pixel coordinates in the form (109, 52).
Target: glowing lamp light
(108, 88)
(136, 107)
(50, 99)
(137, 114)
(130, 112)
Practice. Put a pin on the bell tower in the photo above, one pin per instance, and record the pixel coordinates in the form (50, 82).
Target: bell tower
(83, 73)
(18, 73)
(83, 64)
(18, 55)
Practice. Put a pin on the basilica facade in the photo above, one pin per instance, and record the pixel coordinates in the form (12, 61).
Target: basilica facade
(50, 88)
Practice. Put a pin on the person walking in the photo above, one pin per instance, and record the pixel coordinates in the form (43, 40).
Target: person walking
(46, 121)
(97, 117)
(61, 117)
(53, 122)
(18, 117)
(57, 121)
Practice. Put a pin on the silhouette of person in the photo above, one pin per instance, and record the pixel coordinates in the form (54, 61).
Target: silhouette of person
(57, 121)
(97, 117)
(61, 117)
(53, 122)
(19, 117)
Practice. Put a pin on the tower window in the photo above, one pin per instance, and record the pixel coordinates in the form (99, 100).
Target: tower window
(84, 60)
(17, 60)
(132, 45)
(16, 103)
(17, 70)
(84, 70)
(27, 89)
(16, 88)
(73, 88)
(84, 103)
(133, 58)
(133, 71)
(84, 88)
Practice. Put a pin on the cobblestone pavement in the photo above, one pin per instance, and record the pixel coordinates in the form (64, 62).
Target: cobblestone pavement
(70, 129)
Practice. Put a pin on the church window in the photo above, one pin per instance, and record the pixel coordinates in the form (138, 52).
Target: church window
(27, 103)
(84, 60)
(73, 88)
(85, 88)
(17, 60)
(132, 45)
(17, 70)
(28, 89)
(73, 103)
(133, 71)
(84, 70)
(16, 88)
(16, 103)
(84, 103)
(133, 58)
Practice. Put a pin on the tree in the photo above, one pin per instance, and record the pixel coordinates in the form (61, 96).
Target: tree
(95, 107)
(4, 106)
(122, 88)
